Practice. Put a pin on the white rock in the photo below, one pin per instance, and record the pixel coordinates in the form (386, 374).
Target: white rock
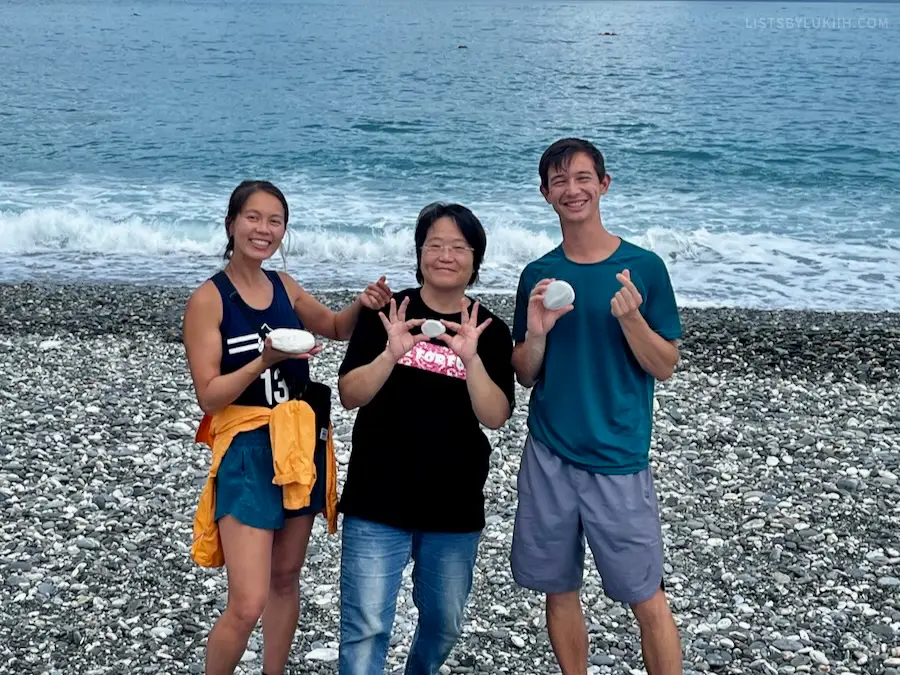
(49, 344)
(292, 340)
(161, 632)
(322, 654)
(182, 428)
(558, 294)
(433, 328)
(517, 641)
(818, 657)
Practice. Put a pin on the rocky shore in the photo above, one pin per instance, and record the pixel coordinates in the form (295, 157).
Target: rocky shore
(776, 456)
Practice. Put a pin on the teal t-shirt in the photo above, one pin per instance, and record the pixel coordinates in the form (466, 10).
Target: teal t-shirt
(593, 402)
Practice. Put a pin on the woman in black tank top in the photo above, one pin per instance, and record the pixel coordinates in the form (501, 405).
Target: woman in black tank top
(264, 546)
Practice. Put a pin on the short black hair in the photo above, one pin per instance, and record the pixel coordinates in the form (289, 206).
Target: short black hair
(560, 153)
(238, 201)
(465, 220)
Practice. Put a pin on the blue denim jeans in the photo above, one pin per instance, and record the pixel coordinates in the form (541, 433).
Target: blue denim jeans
(373, 557)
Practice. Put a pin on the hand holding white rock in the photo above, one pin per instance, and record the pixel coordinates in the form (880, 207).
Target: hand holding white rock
(292, 340)
(558, 294)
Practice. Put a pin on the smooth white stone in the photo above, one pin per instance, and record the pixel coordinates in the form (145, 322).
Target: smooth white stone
(559, 293)
(292, 340)
(433, 328)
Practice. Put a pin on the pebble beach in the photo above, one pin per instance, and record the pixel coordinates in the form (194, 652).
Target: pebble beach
(776, 456)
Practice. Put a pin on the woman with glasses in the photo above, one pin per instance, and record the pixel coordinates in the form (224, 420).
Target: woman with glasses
(426, 372)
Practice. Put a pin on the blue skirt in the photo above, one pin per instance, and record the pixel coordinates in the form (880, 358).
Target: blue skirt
(244, 487)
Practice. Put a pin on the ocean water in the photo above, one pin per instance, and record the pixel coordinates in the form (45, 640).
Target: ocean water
(754, 145)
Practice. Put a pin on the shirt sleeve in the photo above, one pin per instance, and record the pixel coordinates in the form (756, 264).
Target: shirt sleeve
(366, 343)
(662, 310)
(497, 358)
(520, 318)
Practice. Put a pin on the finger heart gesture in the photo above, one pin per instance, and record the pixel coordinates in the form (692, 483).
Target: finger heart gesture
(465, 341)
(628, 299)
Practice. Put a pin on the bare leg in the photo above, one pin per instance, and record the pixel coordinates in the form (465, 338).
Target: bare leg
(568, 635)
(283, 609)
(660, 642)
(248, 559)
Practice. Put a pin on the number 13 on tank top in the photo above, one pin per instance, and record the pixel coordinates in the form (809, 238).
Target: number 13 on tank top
(276, 387)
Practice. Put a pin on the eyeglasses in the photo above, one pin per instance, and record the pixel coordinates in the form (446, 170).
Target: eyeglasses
(456, 250)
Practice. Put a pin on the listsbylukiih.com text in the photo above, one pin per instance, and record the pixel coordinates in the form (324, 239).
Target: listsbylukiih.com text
(816, 23)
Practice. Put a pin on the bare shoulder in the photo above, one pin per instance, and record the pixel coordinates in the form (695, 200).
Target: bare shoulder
(294, 289)
(204, 303)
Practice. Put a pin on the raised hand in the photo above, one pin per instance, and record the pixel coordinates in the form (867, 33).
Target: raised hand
(376, 295)
(541, 319)
(465, 341)
(399, 339)
(628, 299)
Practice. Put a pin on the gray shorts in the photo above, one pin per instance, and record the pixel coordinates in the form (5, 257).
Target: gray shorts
(560, 506)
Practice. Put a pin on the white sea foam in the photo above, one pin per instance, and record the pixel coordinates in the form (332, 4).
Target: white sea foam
(754, 255)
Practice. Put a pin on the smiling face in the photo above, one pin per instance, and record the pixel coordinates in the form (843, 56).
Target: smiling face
(447, 258)
(573, 189)
(259, 226)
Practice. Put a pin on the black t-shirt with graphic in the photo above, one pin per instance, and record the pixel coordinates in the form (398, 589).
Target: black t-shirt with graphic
(420, 457)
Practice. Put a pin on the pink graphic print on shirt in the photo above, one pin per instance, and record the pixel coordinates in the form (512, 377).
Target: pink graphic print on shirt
(434, 359)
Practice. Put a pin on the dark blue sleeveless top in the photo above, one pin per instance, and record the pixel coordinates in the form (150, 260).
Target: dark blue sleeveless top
(244, 330)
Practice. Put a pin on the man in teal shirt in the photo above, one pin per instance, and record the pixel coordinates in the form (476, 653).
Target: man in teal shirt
(593, 365)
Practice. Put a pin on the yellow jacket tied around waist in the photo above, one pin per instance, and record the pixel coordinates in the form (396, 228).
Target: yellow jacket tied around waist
(292, 429)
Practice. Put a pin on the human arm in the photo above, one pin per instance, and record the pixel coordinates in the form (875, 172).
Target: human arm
(656, 354)
(360, 385)
(528, 354)
(490, 402)
(321, 320)
(527, 359)
(377, 349)
(203, 347)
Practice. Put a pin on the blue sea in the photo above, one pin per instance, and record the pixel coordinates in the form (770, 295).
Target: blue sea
(754, 145)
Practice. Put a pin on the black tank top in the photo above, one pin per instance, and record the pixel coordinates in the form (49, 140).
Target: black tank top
(244, 330)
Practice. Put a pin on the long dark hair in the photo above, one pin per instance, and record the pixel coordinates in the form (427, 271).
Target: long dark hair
(238, 200)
